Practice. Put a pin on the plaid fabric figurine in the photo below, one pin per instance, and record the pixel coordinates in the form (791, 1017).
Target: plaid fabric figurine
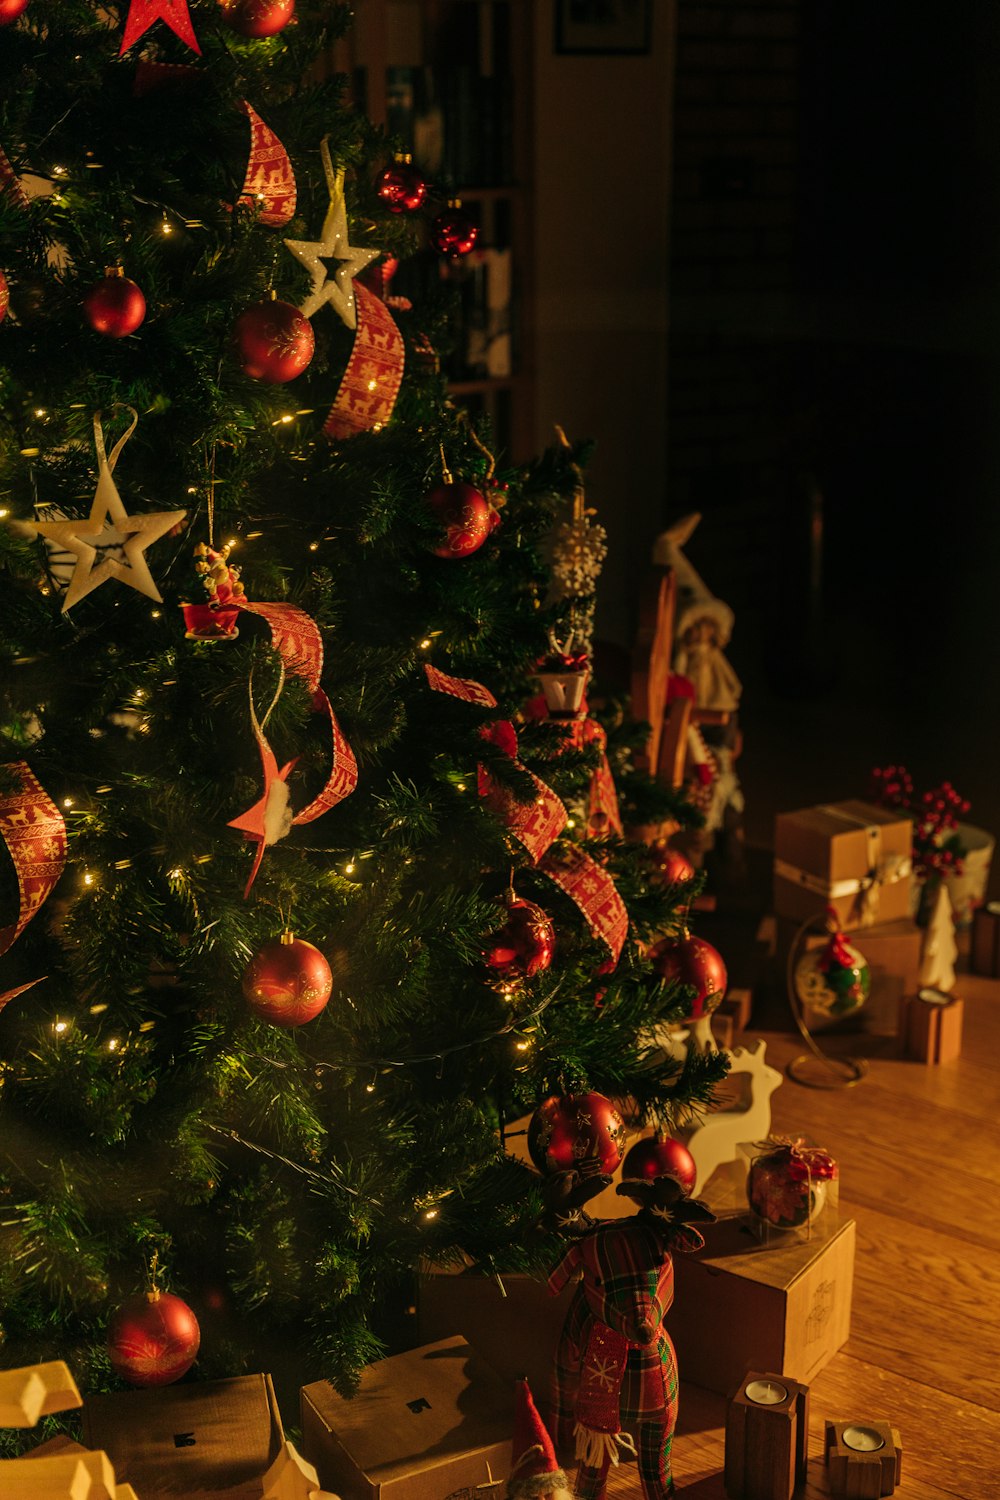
(615, 1364)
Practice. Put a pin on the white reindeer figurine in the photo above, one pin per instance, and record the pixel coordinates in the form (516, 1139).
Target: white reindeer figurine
(714, 1140)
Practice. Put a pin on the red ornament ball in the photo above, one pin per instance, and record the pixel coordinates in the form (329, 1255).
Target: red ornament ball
(453, 232)
(4, 296)
(691, 961)
(153, 1339)
(668, 866)
(465, 514)
(115, 306)
(660, 1156)
(288, 982)
(401, 187)
(11, 9)
(569, 1130)
(274, 341)
(257, 18)
(525, 943)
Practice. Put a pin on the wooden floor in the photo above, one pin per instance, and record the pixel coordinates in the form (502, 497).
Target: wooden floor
(919, 1151)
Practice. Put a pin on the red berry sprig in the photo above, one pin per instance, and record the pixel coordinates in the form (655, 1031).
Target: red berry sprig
(937, 850)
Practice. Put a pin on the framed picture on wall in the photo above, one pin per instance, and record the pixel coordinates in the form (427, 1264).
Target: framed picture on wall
(601, 27)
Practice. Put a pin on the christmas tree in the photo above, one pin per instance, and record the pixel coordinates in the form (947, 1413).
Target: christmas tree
(280, 877)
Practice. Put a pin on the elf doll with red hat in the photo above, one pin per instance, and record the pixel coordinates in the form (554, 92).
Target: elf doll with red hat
(535, 1473)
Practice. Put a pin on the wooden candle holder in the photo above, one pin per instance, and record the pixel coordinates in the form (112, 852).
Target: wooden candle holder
(930, 1026)
(864, 1458)
(984, 957)
(767, 1436)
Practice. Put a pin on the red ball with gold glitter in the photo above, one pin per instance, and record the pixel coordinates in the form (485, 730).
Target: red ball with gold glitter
(115, 306)
(691, 961)
(525, 943)
(4, 296)
(466, 516)
(153, 1339)
(257, 18)
(660, 1156)
(11, 9)
(274, 342)
(576, 1131)
(288, 982)
(668, 866)
(454, 232)
(401, 187)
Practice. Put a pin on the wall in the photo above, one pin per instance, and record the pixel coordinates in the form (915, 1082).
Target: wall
(602, 190)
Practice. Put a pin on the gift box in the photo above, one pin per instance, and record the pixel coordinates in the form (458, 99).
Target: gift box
(213, 1440)
(850, 855)
(511, 1320)
(740, 1305)
(893, 950)
(790, 1187)
(422, 1425)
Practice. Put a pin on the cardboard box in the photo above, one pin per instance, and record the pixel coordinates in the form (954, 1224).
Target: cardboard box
(516, 1334)
(850, 855)
(740, 1305)
(422, 1425)
(893, 951)
(212, 1440)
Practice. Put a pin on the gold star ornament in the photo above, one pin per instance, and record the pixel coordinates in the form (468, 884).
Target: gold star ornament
(337, 289)
(109, 543)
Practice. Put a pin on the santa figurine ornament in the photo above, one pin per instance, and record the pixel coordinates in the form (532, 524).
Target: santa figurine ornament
(535, 1473)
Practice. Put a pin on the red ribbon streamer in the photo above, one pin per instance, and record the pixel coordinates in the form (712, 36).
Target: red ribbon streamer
(459, 687)
(142, 14)
(32, 827)
(10, 182)
(591, 889)
(370, 385)
(603, 814)
(270, 182)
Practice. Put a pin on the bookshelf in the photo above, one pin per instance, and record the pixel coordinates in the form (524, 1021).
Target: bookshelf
(452, 80)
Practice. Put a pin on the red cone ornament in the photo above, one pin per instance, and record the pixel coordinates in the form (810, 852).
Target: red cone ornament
(115, 306)
(11, 9)
(524, 945)
(4, 296)
(465, 514)
(401, 187)
(288, 982)
(660, 1156)
(153, 1339)
(274, 341)
(454, 232)
(257, 18)
(691, 961)
(571, 1130)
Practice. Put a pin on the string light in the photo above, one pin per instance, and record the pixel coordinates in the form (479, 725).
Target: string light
(155, 614)
(59, 1027)
(425, 643)
(314, 546)
(39, 411)
(4, 513)
(67, 802)
(88, 878)
(113, 1044)
(349, 867)
(166, 227)
(430, 1213)
(462, 787)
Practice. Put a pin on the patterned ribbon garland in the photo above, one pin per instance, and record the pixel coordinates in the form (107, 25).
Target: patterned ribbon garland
(34, 832)
(370, 385)
(10, 183)
(603, 813)
(270, 182)
(592, 890)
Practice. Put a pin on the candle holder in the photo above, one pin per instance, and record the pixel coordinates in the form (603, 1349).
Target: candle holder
(864, 1458)
(767, 1434)
(985, 955)
(930, 1026)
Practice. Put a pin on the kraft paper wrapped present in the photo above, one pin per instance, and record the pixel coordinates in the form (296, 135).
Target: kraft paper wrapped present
(853, 856)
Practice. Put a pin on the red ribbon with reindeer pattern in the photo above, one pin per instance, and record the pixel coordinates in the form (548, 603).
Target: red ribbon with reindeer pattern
(34, 832)
(270, 182)
(370, 384)
(590, 888)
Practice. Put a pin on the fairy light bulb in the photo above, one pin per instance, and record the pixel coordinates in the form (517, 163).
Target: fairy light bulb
(59, 1027)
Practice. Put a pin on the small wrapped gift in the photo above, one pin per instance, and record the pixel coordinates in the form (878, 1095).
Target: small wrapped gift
(789, 1184)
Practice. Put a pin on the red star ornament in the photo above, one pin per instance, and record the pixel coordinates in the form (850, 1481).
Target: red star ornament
(143, 13)
(270, 817)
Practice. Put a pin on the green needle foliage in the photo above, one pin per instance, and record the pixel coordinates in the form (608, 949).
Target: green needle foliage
(295, 1176)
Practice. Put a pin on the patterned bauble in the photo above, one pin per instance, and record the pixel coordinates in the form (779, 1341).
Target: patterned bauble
(569, 1131)
(11, 9)
(115, 306)
(464, 513)
(4, 296)
(153, 1339)
(668, 866)
(834, 979)
(401, 187)
(454, 232)
(257, 18)
(525, 943)
(660, 1156)
(691, 961)
(288, 982)
(274, 341)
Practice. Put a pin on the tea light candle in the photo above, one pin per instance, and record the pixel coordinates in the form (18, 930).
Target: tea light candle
(933, 997)
(766, 1392)
(862, 1439)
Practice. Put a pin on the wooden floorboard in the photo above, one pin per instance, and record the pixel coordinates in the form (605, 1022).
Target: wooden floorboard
(919, 1150)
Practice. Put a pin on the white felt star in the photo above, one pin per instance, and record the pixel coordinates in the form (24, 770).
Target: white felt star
(109, 543)
(334, 245)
